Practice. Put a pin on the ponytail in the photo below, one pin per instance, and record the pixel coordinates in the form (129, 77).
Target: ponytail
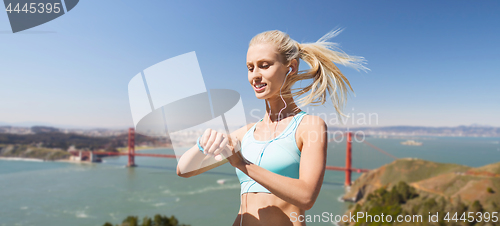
(321, 56)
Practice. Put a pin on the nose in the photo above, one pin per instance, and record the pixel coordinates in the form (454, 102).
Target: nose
(255, 76)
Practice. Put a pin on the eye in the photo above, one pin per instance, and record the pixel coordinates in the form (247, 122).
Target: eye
(250, 68)
(265, 65)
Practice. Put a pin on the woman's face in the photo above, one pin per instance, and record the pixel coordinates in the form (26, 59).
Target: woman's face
(266, 71)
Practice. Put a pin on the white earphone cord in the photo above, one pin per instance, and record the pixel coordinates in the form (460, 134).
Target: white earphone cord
(271, 140)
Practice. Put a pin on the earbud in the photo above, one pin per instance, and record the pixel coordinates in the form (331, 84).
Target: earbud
(289, 71)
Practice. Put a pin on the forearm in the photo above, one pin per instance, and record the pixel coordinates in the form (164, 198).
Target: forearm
(297, 192)
(191, 161)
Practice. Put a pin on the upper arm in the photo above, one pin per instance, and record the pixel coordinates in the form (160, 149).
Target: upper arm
(313, 134)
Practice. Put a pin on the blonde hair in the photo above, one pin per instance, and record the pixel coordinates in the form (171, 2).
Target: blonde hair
(320, 56)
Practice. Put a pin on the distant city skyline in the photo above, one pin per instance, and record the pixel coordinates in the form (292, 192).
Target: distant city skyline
(335, 133)
(432, 63)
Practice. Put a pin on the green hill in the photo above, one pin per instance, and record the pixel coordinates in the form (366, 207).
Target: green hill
(436, 186)
(408, 170)
(27, 151)
(492, 168)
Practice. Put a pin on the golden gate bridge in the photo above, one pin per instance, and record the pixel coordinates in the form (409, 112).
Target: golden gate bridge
(348, 169)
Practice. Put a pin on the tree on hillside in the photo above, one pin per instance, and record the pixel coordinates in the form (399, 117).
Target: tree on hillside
(158, 220)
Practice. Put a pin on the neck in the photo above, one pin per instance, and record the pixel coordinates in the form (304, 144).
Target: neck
(275, 105)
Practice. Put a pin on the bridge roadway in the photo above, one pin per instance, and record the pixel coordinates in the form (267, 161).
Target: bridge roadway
(173, 156)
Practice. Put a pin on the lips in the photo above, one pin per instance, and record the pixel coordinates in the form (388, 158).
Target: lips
(259, 86)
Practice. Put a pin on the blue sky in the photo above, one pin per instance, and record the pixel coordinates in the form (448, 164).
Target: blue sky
(433, 63)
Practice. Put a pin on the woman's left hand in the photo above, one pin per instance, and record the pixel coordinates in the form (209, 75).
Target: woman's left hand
(233, 152)
(221, 146)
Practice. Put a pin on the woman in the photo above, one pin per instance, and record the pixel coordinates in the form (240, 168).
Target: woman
(282, 159)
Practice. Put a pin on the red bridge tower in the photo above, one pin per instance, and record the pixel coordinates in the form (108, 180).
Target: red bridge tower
(131, 147)
(348, 160)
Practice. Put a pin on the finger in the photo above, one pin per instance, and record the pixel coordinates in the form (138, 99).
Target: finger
(219, 157)
(237, 146)
(230, 149)
(222, 145)
(215, 144)
(233, 142)
(226, 152)
(204, 139)
(210, 140)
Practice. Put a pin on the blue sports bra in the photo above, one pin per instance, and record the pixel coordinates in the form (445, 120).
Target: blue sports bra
(280, 155)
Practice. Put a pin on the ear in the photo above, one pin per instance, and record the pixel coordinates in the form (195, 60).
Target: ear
(294, 65)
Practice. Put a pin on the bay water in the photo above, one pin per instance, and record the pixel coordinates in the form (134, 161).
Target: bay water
(61, 194)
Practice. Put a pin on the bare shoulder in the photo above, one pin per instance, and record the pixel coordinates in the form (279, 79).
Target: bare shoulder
(312, 123)
(311, 128)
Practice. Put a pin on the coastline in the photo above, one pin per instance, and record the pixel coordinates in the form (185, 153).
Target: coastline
(21, 159)
(72, 161)
(39, 160)
(68, 160)
(145, 148)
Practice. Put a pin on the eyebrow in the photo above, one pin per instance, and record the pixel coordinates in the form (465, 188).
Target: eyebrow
(260, 60)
